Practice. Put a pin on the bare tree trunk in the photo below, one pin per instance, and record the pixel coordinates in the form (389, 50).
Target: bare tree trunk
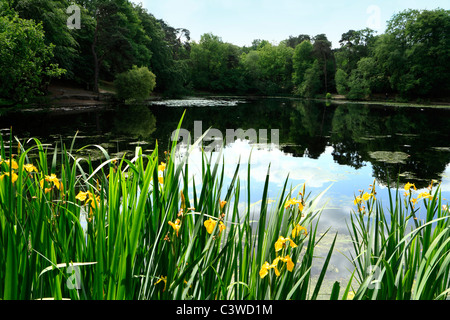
(96, 60)
(325, 72)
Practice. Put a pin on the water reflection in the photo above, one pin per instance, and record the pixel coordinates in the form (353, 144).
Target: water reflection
(409, 143)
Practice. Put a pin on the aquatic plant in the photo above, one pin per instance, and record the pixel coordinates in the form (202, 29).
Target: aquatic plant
(140, 227)
(398, 254)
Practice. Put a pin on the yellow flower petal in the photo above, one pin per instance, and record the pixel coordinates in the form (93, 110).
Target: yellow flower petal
(162, 166)
(82, 195)
(29, 167)
(296, 231)
(221, 227)
(424, 195)
(264, 270)
(210, 225)
(13, 178)
(176, 226)
(357, 200)
(162, 279)
(366, 196)
(292, 244)
(279, 243)
(13, 163)
(409, 185)
(289, 263)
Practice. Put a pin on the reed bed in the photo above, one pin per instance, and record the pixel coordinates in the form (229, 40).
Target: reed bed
(139, 227)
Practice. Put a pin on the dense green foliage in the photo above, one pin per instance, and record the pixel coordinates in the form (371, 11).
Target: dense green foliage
(409, 60)
(136, 83)
(25, 59)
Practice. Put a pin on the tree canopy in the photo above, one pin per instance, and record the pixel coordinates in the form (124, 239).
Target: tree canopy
(409, 60)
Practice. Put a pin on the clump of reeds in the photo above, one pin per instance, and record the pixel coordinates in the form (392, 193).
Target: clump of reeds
(138, 228)
(402, 252)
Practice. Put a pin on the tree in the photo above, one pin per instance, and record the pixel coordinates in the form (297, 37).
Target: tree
(312, 83)
(52, 14)
(25, 59)
(365, 79)
(215, 64)
(135, 84)
(301, 60)
(293, 42)
(341, 79)
(354, 46)
(324, 55)
(119, 40)
(414, 53)
(275, 63)
(169, 61)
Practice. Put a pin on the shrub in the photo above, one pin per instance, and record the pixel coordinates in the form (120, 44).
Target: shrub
(341, 81)
(135, 84)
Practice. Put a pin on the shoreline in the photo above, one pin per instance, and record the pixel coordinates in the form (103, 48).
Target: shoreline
(70, 99)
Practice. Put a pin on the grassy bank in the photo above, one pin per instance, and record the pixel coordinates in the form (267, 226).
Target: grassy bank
(140, 228)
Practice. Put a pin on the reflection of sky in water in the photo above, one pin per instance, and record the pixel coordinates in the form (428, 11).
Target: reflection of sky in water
(318, 174)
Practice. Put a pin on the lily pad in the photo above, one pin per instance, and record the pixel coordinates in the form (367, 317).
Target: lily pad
(389, 156)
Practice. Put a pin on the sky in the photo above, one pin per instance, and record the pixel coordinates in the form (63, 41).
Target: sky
(241, 21)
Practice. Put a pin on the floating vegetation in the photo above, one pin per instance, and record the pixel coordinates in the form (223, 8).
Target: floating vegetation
(389, 156)
(199, 102)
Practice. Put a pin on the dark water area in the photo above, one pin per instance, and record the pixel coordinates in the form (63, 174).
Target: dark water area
(411, 143)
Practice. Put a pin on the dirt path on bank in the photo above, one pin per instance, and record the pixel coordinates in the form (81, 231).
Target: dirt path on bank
(70, 96)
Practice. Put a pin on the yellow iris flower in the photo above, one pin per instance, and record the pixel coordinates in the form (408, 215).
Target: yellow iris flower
(293, 202)
(30, 168)
(409, 186)
(281, 243)
(82, 195)
(14, 176)
(51, 178)
(176, 226)
(162, 166)
(366, 196)
(424, 195)
(88, 197)
(210, 224)
(297, 229)
(13, 163)
(264, 271)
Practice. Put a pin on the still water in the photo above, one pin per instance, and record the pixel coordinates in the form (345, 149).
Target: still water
(345, 147)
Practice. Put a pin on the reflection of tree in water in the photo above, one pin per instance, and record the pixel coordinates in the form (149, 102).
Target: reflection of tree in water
(135, 121)
(309, 125)
(358, 131)
(348, 127)
(354, 131)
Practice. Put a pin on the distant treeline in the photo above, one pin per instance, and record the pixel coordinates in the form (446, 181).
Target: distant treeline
(410, 60)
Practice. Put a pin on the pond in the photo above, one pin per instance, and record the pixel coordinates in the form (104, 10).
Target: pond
(345, 147)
